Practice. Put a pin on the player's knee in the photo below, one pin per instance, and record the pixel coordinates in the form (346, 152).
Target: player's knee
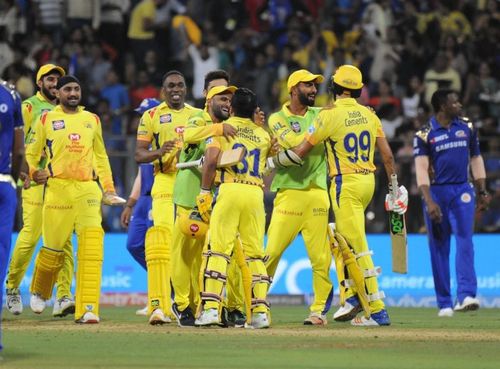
(91, 242)
(157, 243)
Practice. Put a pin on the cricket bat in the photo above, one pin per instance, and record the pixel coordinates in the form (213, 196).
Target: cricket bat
(226, 159)
(397, 229)
(113, 200)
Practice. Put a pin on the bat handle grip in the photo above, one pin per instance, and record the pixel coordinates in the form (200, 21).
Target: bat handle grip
(394, 185)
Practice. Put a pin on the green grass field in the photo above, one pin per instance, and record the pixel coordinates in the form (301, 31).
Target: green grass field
(416, 339)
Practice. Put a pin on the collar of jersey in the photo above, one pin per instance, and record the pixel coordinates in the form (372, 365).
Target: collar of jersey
(436, 126)
(59, 108)
(163, 105)
(345, 101)
(288, 113)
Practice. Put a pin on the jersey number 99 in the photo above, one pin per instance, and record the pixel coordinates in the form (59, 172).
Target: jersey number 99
(358, 146)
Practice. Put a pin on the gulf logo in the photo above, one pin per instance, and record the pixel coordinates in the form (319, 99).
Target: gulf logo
(179, 130)
(74, 137)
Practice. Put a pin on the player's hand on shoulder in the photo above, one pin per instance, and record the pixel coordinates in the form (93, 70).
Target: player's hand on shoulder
(398, 204)
(40, 176)
(228, 131)
(275, 147)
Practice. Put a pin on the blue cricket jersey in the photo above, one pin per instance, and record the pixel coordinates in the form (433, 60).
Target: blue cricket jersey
(449, 150)
(147, 178)
(10, 118)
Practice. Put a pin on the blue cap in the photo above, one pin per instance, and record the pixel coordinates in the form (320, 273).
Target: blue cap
(147, 104)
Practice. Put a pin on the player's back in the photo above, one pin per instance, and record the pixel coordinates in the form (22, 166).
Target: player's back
(256, 142)
(9, 119)
(352, 131)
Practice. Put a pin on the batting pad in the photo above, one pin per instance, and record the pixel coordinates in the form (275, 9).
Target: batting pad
(246, 277)
(89, 271)
(47, 266)
(158, 263)
(260, 285)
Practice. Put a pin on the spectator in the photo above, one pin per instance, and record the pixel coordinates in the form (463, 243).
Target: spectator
(119, 102)
(143, 89)
(441, 75)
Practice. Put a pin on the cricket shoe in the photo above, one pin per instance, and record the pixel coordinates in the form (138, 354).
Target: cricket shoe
(469, 304)
(14, 302)
(316, 318)
(158, 317)
(259, 321)
(376, 319)
(445, 312)
(63, 306)
(207, 318)
(351, 308)
(235, 318)
(185, 318)
(37, 303)
(142, 312)
(88, 318)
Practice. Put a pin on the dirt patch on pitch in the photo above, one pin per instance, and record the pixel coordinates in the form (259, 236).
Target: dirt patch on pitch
(344, 332)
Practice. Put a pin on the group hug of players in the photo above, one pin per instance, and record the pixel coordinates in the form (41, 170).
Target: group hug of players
(197, 226)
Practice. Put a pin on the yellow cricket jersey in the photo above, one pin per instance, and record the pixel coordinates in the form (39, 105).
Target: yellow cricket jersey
(143, 10)
(257, 144)
(349, 131)
(161, 124)
(200, 127)
(32, 108)
(73, 145)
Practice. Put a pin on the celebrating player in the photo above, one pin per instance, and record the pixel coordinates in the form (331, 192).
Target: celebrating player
(32, 198)
(72, 140)
(350, 132)
(301, 204)
(162, 128)
(448, 144)
(239, 210)
(11, 153)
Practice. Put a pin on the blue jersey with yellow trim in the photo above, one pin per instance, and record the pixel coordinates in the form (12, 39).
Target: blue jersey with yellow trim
(10, 119)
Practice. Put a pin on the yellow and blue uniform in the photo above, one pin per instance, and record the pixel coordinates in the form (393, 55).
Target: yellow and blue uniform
(74, 147)
(32, 199)
(349, 131)
(158, 125)
(449, 151)
(301, 205)
(10, 119)
(238, 210)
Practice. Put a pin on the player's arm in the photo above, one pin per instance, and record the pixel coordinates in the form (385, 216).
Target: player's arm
(102, 167)
(18, 147)
(387, 157)
(204, 199)
(34, 149)
(132, 200)
(478, 172)
(197, 131)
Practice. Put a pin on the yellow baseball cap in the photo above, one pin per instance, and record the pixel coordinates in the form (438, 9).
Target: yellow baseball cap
(348, 76)
(46, 69)
(302, 75)
(217, 90)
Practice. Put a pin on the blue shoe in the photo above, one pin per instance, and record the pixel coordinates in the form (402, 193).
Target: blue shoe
(376, 319)
(351, 308)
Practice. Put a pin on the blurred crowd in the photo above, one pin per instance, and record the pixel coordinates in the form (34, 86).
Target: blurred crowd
(120, 49)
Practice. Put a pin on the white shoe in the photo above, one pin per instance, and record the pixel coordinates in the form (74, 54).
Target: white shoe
(445, 312)
(259, 321)
(315, 319)
(88, 318)
(14, 302)
(469, 304)
(63, 306)
(158, 317)
(208, 317)
(37, 303)
(348, 311)
(142, 312)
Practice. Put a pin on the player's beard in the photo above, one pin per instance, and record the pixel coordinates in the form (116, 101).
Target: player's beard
(219, 114)
(305, 100)
(46, 92)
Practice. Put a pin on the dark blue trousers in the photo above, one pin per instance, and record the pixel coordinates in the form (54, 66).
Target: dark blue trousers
(140, 222)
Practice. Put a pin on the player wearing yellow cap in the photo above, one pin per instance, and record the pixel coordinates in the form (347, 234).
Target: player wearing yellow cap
(301, 203)
(72, 139)
(351, 132)
(32, 197)
(162, 128)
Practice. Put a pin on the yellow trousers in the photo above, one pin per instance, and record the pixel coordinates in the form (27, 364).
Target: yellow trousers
(304, 211)
(32, 200)
(350, 196)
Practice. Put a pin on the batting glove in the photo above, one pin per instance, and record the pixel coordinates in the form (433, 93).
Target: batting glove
(204, 204)
(398, 204)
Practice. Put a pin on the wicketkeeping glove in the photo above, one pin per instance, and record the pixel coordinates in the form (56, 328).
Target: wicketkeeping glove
(398, 204)
(204, 204)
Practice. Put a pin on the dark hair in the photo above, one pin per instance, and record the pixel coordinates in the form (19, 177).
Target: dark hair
(339, 90)
(169, 73)
(244, 103)
(440, 98)
(215, 74)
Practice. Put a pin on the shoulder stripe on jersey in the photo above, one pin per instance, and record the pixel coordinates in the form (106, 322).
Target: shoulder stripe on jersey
(152, 112)
(96, 118)
(44, 117)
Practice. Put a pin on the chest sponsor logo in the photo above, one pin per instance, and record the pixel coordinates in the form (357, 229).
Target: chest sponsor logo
(58, 124)
(179, 130)
(460, 133)
(466, 197)
(451, 145)
(166, 118)
(295, 126)
(439, 138)
(74, 137)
